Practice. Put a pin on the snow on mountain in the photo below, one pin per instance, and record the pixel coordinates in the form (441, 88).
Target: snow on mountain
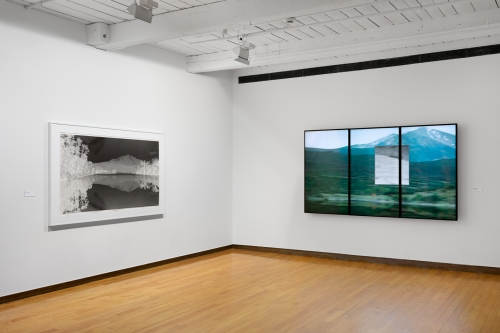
(389, 140)
(445, 138)
(126, 160)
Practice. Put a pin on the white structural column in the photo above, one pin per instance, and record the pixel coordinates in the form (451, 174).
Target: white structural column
(469, 29)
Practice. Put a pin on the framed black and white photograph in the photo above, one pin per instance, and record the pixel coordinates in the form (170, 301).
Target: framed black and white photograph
(103, 174)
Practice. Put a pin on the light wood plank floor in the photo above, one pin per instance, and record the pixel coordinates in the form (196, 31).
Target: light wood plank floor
(245, 291)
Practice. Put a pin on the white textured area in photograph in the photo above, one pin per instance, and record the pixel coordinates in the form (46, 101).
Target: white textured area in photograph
(268, 188)
(50, 75)
(387, 165)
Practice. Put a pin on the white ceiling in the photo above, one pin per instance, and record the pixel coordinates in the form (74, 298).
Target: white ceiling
(326, 31)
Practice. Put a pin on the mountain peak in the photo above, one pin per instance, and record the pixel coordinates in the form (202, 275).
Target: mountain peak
(436, 135)
(126, 160)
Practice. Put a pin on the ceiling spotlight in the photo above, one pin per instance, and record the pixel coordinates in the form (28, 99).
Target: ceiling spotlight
(243, 52)
(144, 10)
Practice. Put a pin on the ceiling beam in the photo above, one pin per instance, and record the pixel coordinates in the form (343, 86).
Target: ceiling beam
(375, 55)
(417, 10)
(213, 17)
(444, 30)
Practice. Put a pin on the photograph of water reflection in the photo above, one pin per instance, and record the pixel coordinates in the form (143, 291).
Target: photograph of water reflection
(99, 173)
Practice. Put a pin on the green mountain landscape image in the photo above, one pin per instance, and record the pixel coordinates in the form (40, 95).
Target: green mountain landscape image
(431, 193)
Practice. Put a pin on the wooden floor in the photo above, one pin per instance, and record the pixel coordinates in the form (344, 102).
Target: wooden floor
(245, 291)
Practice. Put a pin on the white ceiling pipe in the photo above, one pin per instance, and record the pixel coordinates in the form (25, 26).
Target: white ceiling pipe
(400, 11)
(37, 4)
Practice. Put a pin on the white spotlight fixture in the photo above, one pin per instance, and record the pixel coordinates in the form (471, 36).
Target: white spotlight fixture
(243, 52)
(144, 10)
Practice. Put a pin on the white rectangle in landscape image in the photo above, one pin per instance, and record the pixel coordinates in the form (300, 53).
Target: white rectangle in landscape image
(387, 165)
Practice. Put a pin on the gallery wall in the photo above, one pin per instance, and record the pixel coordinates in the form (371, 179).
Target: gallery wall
(268, 167)
(48, 74)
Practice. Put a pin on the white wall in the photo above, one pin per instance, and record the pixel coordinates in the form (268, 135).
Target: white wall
(269, 120)
(47, 73)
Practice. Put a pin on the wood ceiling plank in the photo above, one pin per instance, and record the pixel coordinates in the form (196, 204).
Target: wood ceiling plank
(336, 15)
(484, 4)
(227, 45)
(321, 17)
(72, 12)
(434, 12)
(426, 2)
(166, 6)
(206, 2)
(199, 38)
(84, 7)
(158, 11)
(193, 3)
(411, 16)
(388, 7)
(63, 15)
(177, 48)
(366, 23)
(307, 20)
(313, 32)
(270, 36)
(463, 8)
(265, 26)
(178, 4)
(113, 4)
(262, 39)
(381, 21)
(274, 38)
(299, 34)
(205, 49)
(448, 10)
(338, 28)
(103, 7)
(285, 36)
(423, 14)
(412, 3)
(396, 18)
(399, 4)
(324, 30)
(351, 12)
(19, 2)
(383, 7)
(352, 26)
(367, 10)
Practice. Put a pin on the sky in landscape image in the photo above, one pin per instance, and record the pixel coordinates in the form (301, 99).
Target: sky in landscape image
(328, 139)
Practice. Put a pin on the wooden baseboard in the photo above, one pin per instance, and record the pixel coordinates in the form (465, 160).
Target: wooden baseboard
(69, 284)
(337, 256)
(376, 260)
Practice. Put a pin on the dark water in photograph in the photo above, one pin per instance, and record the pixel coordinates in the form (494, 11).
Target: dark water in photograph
(107, 192)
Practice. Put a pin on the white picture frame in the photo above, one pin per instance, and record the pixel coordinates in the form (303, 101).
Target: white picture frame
(56, 215)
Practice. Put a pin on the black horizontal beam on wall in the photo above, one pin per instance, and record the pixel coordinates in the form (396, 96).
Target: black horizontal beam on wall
(358, 66)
